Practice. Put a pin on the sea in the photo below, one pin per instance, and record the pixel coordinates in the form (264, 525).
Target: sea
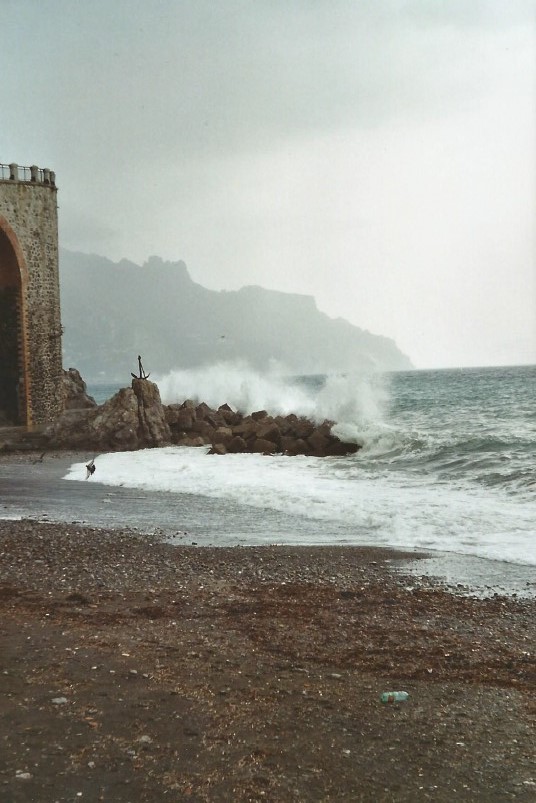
(447, 460)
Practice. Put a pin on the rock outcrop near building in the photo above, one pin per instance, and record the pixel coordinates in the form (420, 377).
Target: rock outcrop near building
(75, 395)
(135, 418)
(132, 419)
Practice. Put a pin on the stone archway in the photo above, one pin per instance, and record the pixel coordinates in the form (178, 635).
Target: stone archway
(14, 406)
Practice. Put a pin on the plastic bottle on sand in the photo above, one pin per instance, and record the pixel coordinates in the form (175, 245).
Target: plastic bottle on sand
(394, 696)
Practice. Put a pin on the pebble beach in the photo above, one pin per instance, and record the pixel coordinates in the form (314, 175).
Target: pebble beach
(139, 670)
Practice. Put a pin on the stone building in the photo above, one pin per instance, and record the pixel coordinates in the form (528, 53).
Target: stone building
(30, 322)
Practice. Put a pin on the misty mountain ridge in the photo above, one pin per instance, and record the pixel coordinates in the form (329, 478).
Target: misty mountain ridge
(111, 312)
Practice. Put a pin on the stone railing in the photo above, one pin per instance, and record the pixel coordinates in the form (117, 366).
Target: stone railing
(31, 175)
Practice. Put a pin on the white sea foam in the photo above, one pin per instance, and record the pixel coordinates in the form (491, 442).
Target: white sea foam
(446, 464)
(239, 386)
(355, 402)
(372, 507)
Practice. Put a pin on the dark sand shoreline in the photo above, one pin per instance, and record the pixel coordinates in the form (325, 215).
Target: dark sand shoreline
(135, 670)
(30, 488)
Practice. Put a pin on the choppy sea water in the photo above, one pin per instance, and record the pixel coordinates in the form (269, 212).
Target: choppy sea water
(448, 460)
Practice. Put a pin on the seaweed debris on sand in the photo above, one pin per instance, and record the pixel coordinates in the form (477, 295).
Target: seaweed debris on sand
(136, 670)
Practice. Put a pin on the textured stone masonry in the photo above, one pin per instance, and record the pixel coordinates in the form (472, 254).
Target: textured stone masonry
(29, 261)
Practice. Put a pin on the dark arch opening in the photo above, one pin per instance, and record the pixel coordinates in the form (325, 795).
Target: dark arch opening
(12, 392)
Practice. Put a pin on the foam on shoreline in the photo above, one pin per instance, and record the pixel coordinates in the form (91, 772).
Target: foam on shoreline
(38, 491)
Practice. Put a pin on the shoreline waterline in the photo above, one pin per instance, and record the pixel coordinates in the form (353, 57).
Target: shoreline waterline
(39, 492)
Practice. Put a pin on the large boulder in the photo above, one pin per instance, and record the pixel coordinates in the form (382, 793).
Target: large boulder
(222, 435)
(263, 446)
(132, 419)
(319, 440)
(153, 429)
(236, 445)
(115, 424)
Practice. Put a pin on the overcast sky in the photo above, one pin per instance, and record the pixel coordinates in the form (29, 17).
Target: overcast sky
(377, 154)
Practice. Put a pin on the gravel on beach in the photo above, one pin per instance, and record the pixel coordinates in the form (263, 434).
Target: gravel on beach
(136, 670)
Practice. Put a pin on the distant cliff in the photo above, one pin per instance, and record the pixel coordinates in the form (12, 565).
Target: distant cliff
(111, 312)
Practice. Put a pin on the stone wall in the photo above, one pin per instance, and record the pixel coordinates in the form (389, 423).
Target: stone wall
(29, 235)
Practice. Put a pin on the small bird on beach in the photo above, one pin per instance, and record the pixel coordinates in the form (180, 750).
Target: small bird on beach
(90, 468)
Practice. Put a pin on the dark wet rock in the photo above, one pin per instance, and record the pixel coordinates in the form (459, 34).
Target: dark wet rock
(237, 444)
(259, 432)
(218, 448)
(153, 428)
(263, 446)
(132, 419)
(75, 391)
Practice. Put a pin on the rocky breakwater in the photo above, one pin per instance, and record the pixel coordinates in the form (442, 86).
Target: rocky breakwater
(228, 431)
(135, 418)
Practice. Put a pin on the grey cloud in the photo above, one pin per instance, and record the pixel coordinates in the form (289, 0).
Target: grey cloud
(181, 80)
(470, 13)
